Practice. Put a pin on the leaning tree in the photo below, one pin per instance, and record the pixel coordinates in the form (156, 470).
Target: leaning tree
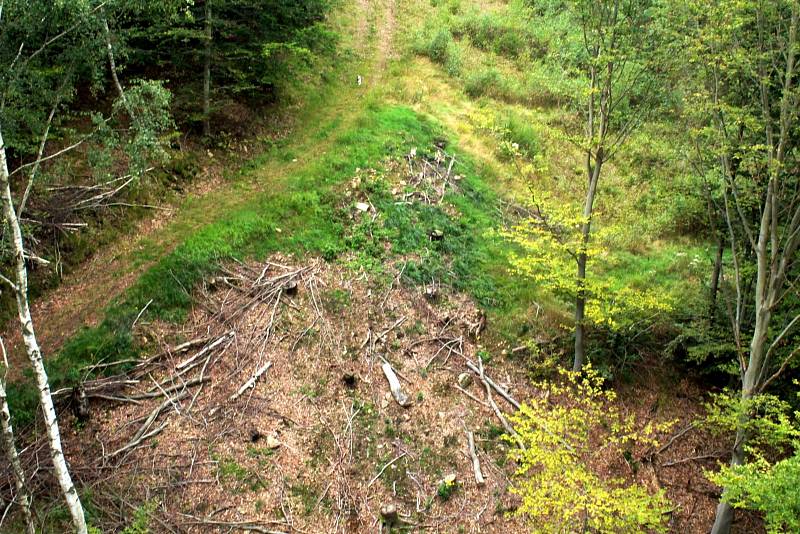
(48, 51)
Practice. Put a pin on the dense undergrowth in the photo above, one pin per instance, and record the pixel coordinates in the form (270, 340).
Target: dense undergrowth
(517, 63)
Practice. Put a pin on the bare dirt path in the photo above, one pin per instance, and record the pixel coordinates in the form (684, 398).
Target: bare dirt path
(386, 35)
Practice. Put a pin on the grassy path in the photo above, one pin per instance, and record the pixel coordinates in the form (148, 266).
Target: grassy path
(85, 293)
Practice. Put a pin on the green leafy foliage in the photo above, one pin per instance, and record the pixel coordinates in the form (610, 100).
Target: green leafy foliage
(764, 483)
(141, 519)
(443, 50)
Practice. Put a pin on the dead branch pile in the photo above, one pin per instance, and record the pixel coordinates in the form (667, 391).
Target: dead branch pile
(428, 178)
(283, 372)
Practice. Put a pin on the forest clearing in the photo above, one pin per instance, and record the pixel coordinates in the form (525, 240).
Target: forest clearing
(399, 266)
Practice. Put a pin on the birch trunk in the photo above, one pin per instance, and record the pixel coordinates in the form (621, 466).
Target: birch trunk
(23, 497)
(112, 64)
(34, 353)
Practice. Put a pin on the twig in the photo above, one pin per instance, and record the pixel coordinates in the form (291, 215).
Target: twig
(497, 411)
(691, 459)
(385, 467)
(476, 464)
(210, 347)
(136, 443)
(671, 440)
(252, 382)
(471, 396)
(139, 316)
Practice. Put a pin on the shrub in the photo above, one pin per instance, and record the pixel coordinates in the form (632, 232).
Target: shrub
(504, 37)
(443, 50)
(439, 47)
(483, 83)
(559, 476)
(517, 130)
(494, 84)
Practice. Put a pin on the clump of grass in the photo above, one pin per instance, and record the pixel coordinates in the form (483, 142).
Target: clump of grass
(492, 83)
(517, 130)
(443, 50)
(504, 35)
(452, 6)
(307, 495)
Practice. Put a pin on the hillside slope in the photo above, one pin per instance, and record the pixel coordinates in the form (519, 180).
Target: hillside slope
(238, 346)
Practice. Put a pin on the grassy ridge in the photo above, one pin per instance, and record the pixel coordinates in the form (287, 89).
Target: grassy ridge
(304, 214)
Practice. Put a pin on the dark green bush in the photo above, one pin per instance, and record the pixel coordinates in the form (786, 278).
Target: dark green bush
(518, 130)
(439, 47)
(505, 37)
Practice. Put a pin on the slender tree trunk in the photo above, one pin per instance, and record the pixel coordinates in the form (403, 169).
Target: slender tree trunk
(34, 353)
(751, 380)
(586, 229)
(207, 74)
(715, 275)
(723, 519)
(112, 64)
(23, 497)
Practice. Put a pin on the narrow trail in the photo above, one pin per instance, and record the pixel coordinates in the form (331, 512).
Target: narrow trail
(85, 292)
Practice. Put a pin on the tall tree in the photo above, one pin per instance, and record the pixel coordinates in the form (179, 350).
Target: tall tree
(745, 104)
(23, 497)
(48, 50)
(19, 285)
(619, 69)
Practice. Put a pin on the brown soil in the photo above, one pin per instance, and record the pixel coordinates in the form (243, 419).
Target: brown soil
(325, 407)
(83, 294)
(325, 400)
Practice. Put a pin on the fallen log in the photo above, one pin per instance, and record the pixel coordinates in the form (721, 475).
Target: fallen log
(491, 383)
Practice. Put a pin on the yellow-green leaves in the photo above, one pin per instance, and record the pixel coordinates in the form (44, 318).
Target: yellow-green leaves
(762, 484)
(547, 244)
(570, 431)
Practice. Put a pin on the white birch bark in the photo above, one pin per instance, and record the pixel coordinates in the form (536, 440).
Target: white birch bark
(112, 64)
(34, 353)
(23, 497)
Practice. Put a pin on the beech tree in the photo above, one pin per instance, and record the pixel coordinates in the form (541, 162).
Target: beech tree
(621, 70)
(744, 57)
(620, 65)
(557, 478)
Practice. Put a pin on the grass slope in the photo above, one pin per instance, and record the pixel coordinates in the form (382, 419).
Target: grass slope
(305, 215)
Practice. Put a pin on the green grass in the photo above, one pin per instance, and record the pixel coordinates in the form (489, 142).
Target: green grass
(305, 213)
(506, 35)
(308, 212)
